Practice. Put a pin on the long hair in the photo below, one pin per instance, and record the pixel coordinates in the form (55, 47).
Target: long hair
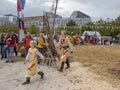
(7, 36)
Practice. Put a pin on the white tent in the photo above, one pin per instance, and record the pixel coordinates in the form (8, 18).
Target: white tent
(92, 33)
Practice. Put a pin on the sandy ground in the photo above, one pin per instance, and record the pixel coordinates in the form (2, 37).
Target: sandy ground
(102, 60)
(77, 77)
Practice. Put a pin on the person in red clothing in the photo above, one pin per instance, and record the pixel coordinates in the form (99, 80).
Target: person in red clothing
(10, 47)
(26, 42)
(15, 41)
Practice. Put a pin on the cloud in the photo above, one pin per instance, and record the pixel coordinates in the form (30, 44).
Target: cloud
(95, 8)
(7, 7)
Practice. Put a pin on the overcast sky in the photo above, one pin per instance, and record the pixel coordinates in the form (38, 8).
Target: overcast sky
(95, 8)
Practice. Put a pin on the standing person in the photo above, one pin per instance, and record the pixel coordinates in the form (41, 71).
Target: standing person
(10, 48)
(26, 41)
(0, 46)
(41, 44)
(65, 47)
(32, 64)
(44, 36)
(3, 45)
(14, 41)
(35, 37)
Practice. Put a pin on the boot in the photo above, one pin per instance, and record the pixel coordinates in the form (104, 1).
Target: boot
(12, 61)
(27, 81)
(68, 65)
(7, 61)
(61, 70)
(41, 74)
(62, 66)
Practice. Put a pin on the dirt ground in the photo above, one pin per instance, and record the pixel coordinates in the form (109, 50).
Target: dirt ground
(102, 60)
(93, 68)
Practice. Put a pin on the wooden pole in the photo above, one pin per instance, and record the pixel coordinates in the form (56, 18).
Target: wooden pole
(55, 16)
(43, 20)
(18, 16)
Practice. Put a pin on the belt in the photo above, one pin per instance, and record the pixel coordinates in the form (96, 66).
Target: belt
(64, 47)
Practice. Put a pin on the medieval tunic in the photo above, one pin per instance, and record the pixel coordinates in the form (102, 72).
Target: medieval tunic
(65, 48)
(32, 64)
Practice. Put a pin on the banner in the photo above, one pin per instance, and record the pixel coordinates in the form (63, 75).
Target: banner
(21, 30)
(18, 6)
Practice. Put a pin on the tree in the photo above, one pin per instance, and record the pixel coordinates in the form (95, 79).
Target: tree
(70, 26)
(7, 28)
(59, 29)
(106, 28)
(117, 20)
(71, 23)
(32, 29)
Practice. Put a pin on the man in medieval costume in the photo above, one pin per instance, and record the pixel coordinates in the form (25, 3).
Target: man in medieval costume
(65, 50)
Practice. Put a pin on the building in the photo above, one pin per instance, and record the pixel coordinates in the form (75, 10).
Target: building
(57, 20)
(34, 20)
(38, 20)
(79, 17)
(8, 19)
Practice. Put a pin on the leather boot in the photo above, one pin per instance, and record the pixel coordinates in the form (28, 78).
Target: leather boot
(41, 74)
(27, 81)
(67, 67)
(62, 67)
(68, 64)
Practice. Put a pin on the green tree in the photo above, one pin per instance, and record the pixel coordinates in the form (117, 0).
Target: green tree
(110, 28)
(7, 28)
(70, 26)
(32, 29)
(71, 23)
(59, 29)
(117, 20)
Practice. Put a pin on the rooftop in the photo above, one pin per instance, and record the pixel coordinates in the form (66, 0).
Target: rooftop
(34, 18)
(79, 14)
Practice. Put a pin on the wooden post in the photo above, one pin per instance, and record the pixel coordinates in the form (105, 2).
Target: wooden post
(55, 16)
(18, 16)
(43, 20)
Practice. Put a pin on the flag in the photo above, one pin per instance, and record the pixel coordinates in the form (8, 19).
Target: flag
(20, 5)
(21, 30)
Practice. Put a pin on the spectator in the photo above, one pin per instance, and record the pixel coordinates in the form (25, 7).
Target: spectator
(14, 41)
(26, 42)
(44, 36)
(41, 45)
(55, 38)
(35, 37)
(10, 47)
(3, 43)
(0, 45)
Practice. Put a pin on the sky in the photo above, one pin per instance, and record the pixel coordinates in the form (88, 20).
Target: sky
(96, 9)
